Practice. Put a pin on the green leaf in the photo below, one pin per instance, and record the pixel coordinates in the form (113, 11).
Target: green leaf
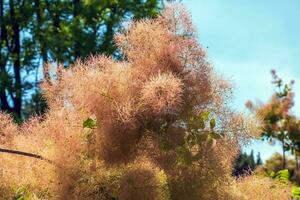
(282, 175)
(23, 193)
(212, 123)
(201, 124)
(184, 156)
(296, 192)
(89, 123)
(205, 115)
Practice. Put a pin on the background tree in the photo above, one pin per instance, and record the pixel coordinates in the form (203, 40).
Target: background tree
(245, 164)
(293, 128)
(40, 31)
(258, 159)
(17, 54)
(276, 114)
(274, 164)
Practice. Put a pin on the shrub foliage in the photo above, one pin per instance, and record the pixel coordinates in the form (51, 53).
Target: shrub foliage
(156, 125)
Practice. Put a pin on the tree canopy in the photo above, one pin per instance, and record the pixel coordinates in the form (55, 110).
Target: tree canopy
(278, 121)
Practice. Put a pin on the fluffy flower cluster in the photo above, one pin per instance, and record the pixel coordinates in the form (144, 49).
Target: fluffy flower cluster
(139, 123)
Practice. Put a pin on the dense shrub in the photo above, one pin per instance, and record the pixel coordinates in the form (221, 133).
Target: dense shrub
(155, 126)
(257, 187)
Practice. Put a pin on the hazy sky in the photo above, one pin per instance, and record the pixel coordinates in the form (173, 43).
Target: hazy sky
(245, 40)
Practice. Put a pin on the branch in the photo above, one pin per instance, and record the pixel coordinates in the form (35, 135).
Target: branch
(21, 153)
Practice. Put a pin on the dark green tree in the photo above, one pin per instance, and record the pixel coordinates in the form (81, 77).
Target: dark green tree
(17, 54)
(245, 164)
(258, 159)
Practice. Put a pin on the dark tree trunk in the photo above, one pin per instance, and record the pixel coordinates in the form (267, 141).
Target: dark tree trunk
(17, 99)
(296, 159)
(283, 155)
(3, 59)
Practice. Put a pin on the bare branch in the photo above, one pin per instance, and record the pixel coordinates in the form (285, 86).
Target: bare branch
(21, 153)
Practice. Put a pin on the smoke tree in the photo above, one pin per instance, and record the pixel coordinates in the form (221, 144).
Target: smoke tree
(278, 121)
(156, 125)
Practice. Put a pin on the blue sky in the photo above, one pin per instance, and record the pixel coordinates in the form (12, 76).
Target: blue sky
(245, 40)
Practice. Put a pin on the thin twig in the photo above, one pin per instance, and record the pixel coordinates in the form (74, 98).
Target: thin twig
(21, 153)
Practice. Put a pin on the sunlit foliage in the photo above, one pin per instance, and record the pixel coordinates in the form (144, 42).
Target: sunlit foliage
(154, 126)
(279, 122)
